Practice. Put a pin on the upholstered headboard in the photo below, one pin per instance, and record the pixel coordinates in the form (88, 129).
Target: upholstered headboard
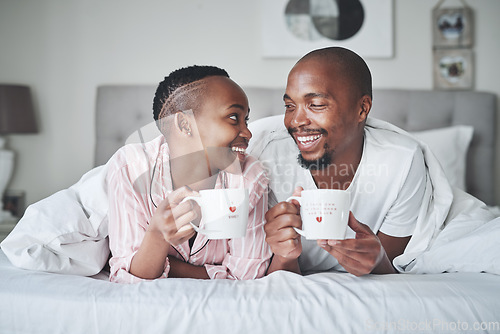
(123, 109)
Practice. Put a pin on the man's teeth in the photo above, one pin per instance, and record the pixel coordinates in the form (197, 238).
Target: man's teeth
(308, 139)
(238, 149)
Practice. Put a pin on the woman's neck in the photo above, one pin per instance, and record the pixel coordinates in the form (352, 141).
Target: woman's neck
(193, 170)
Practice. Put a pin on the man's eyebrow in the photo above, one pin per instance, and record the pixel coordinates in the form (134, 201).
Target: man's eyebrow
(309, 95)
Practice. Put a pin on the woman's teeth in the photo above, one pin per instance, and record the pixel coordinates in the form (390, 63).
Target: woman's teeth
(308, 139)
(238, 149)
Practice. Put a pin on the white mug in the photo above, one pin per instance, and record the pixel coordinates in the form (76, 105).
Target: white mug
(224, 213)
(324, 213)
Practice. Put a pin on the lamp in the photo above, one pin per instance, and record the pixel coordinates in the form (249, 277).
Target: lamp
(16, 116)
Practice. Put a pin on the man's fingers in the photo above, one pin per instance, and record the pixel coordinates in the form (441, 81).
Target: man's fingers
(357, 259)
(280, 209)
(282, 235)
(351, 261)
(353, 245)
(297, 191)
(290, 248)
(357, 226)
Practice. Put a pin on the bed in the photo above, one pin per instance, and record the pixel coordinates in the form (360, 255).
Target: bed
(458, 291)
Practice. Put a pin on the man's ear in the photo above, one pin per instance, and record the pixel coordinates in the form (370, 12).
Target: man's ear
(182, 123)
(365, 107)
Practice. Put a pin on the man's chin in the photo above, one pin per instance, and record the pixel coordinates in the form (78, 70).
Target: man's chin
(314, 164)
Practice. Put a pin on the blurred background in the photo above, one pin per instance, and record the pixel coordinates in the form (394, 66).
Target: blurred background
(64, 49)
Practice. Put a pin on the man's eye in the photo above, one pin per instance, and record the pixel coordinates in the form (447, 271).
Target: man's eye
(234, 117)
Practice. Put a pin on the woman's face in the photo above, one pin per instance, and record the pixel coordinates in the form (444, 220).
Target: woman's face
(222, 122)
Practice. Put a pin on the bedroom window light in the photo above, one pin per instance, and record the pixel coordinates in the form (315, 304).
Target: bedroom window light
(16, 116)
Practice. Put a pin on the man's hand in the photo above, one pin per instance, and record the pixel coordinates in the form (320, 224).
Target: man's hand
(281, 237)
(362, 255)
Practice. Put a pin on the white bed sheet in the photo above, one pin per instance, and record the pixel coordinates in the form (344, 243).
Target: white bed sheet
(40, 302)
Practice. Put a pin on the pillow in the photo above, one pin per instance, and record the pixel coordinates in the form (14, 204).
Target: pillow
(468, 243)
(450, 146)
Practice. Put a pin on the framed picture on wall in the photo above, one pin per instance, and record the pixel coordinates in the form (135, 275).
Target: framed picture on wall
(452, 27)
(453, 69)
(292, 28)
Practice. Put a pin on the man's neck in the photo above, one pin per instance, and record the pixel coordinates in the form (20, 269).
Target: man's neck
(339, 173)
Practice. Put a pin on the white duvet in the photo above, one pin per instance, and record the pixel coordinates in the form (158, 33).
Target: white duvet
(455, 231)
(66, 232)
(283, 302)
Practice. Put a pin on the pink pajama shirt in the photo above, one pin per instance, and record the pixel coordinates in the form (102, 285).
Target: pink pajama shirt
(133, 187)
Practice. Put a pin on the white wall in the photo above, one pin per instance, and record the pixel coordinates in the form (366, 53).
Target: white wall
(64, 49)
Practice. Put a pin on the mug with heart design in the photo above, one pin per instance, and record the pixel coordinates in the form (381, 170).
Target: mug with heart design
(224, 213)
(324, 213)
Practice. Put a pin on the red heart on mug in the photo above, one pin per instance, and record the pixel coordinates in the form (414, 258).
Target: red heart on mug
(232, 208)
(319, 219)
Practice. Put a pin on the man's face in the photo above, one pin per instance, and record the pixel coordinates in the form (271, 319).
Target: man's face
(322, 113)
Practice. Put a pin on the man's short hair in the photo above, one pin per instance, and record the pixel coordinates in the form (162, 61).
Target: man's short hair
(352, 65)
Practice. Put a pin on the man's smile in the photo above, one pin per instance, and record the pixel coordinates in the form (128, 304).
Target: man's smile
(307, 140)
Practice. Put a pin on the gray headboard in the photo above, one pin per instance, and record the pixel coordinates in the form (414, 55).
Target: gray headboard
(123, 109)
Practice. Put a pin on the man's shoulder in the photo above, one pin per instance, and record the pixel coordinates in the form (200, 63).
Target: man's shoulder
(269, 137)
(388, 137)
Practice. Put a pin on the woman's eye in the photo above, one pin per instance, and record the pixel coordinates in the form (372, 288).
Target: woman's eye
(234, 117)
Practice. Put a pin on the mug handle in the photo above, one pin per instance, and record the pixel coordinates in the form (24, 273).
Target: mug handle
(206, 232)
(298, 199)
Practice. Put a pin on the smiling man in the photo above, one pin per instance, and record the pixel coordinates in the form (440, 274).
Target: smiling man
(326, 144)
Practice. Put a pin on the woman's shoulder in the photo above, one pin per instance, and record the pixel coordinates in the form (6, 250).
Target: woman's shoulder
(136, 156)
(256, 179)
(253, 167)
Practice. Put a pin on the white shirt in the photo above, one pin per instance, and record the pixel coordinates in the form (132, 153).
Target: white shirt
(386, 191)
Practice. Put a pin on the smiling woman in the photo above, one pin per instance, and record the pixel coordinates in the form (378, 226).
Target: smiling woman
(202, 115)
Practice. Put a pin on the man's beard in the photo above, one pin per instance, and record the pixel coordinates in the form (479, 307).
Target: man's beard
(318, 164)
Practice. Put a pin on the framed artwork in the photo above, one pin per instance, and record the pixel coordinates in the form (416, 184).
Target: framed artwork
(453, 69)
(452, 27)
(292, 28)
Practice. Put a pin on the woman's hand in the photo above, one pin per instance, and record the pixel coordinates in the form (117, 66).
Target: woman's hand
(172, 217)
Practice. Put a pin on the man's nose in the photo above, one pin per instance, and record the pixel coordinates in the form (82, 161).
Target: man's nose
(299, 117)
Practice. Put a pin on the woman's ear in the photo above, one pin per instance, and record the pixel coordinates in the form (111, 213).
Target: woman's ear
(182, 123)
(366, 106)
